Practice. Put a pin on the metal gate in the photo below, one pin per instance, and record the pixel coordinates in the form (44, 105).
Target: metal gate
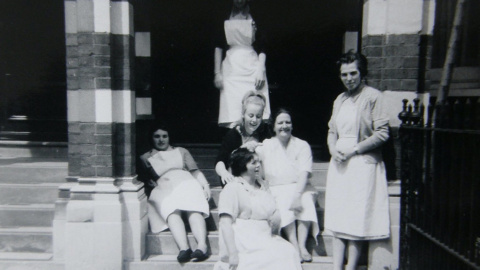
(440, 172)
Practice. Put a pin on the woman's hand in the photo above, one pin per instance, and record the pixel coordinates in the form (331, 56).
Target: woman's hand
(340, 156)
(251, 145)
(218, 81)
(337, 155)
(226, 177)
(349, 153)
(259, 78)
(207, 191)
(274, 221)
(296, 205)
(233, 261)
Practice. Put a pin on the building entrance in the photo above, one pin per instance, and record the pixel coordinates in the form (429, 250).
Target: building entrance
(304, 39)
(32, 71)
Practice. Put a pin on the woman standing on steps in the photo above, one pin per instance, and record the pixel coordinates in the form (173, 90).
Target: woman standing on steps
(249, 221)
(181, 188)
(356, 203)
(243, 68)
(287, 162)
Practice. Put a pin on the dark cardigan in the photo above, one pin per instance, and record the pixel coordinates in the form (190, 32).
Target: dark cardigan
(233, 140)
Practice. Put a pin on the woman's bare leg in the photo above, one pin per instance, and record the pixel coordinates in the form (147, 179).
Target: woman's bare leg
(177, 227)
(338, 253)
(354, 250)
(291, 232)
(199, 229)
(303, 227)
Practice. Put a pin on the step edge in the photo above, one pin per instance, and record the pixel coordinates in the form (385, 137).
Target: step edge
(32, 143)
(25, 207)
(23, 229)
(26, 256)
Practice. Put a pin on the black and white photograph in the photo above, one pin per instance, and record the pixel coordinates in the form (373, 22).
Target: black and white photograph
(239, 135)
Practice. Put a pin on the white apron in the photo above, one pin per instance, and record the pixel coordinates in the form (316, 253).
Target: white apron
(177, 190)
(258, 248)
(356, 200)
(238, 70)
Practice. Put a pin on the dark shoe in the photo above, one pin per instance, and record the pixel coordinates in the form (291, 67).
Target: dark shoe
(199, 256)
(184, 256)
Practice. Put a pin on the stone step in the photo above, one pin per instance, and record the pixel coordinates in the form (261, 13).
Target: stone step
(34, 257)
(212, 220)
(155, 262)
(28, 170)
(208, 162)
(318, 179)
(26, 239)
(33, 149)
(29, 261)
(43, 193)
(31, 215)
(215, 194)
(164, 244)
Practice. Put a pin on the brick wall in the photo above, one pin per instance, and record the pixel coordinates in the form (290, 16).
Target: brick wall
(100, 83)
(394, 61)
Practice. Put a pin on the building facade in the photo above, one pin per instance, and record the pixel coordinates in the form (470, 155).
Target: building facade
(129, 62)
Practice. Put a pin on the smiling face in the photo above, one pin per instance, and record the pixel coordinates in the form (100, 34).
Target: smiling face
(252, 116)
(253, 167)
(350, 76)
(283, 125)
(161, 140)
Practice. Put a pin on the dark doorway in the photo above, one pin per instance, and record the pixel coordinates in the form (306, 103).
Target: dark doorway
(32, 70)
(304, 39)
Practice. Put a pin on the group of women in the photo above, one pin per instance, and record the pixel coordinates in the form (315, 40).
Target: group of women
(265, 170)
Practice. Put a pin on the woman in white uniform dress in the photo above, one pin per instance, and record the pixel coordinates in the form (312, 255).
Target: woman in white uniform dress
(180, 187)
(356, 203)
(287, 162)
(243, 69)
(249, 220)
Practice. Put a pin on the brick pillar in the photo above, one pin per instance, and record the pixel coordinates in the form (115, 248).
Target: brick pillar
(395, 38)
(100, 220)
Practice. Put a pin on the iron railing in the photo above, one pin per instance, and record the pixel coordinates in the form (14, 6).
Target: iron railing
(440, 172)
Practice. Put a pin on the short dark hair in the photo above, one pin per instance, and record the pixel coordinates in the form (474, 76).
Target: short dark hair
(239, 160)
(352, 56)
(274, 116)
(159, 125)
(156, 126)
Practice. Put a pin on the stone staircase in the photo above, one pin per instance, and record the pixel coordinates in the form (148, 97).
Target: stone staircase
(30, 175)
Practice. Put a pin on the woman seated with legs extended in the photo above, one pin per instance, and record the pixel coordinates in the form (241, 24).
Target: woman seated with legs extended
(248, 220)
(287, 162)
(180, 188)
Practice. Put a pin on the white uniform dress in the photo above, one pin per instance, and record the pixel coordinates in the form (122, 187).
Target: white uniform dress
(258, 248)
(356, 200)
(176, 188)
(238, 70)
(282, 167)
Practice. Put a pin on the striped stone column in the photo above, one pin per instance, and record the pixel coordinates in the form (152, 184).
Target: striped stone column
(395, 40)
(101, 214)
